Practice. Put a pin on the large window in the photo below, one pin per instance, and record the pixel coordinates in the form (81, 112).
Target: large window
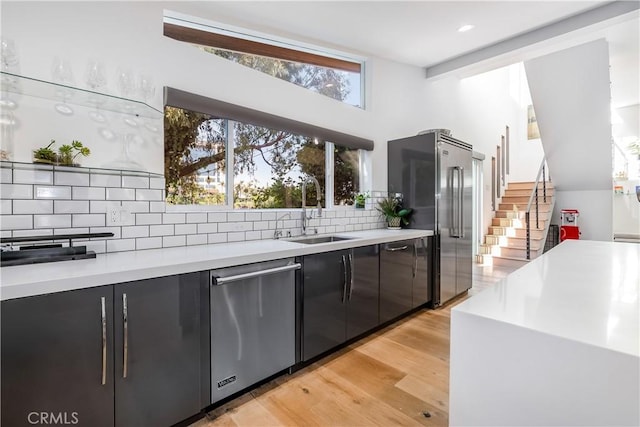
(333, 74)
(213, 161)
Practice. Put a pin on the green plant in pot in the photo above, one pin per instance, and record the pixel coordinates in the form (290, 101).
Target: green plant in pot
(45, 154)
(391, 208)
(68, 153)
(360, 200)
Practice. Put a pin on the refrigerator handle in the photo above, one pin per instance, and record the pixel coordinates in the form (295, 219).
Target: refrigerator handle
(452, 205)
(456, 202)
(460, 202)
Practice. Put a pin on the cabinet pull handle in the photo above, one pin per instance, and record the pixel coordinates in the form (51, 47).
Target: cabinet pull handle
(351, 281)
(401, 248)
(125, 319)
(344, 283)
(415, 258)
(103, 312)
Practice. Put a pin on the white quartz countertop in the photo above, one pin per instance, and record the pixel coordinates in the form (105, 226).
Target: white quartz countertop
(105, 269)
(585, 291)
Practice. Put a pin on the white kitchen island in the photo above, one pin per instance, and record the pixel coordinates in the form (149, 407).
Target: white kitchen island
(556, 343)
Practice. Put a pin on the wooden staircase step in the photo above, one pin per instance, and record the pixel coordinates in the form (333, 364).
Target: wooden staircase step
(518, 223)
(527, 185)
(542, 207)
(521, 214)
(522, 199)
(527, 192)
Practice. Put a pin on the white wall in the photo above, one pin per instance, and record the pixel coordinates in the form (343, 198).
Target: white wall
(129, 34)
(574, 118)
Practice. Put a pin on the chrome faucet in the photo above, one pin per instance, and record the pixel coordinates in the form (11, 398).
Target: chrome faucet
(305, 218)
(278, 233)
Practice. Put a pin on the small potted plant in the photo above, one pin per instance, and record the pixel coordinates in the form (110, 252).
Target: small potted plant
(360, 200)
(45, 154)
(68, 153)
(391, 208)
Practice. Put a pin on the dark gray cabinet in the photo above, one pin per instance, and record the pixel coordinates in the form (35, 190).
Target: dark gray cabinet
(57, 358)
(340, 297)
(161, 344)
(405, 281)
(65, 354)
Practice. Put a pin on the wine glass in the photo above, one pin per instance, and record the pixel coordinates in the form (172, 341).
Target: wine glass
(9, 63)
(147, 91)
(62, 74)
(96, 80)
(125, 82)
(9, 55)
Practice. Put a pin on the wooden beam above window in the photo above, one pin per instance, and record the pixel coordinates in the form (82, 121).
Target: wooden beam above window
(236, 44)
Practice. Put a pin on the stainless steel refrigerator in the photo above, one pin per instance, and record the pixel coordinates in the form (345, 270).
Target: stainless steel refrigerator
(433, 173)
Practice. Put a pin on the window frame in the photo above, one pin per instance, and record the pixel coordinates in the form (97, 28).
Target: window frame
(190, 29)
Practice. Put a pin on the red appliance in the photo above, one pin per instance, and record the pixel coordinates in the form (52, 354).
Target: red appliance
(569, 224)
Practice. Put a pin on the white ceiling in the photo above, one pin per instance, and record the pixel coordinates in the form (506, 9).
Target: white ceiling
(420, 33)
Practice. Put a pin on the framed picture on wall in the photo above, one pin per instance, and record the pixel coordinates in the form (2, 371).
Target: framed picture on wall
(532, 124)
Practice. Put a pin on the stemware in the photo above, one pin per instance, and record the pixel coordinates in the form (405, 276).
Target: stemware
(147, 91)
(7, 124)
(96, 80)
(62, 74)
(9, 55)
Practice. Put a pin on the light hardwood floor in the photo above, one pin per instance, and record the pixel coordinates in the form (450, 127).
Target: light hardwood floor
(399, 376)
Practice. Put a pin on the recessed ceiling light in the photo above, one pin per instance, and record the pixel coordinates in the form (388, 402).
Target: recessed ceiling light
(465, 28)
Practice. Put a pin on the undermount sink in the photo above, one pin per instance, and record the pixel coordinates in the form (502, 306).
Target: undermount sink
(318, 239)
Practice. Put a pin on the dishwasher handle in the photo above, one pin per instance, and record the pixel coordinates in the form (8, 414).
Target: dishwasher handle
(217, 281)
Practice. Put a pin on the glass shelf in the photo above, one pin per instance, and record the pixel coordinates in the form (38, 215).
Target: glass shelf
(75, 96)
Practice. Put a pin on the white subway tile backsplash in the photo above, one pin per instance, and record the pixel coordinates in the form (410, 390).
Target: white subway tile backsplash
(149, 243)
(31, 207)
(88, 193)
(207, 228)
(51, 221)
(173, 218)
(171, 241)
(5, 207)
(100, 206)
(261, 225)
(102, 180)
(26, 176)
(98, 246)
(16, 191)
(269, 216)
(135, 231)
(186, 229)
(151, 195)
(71, 178)
(157, 183)
(121, 245)
(136, 207)
(329, 214)
(148, 219)
(235, 216)
(121, 194)
(161, 230)
(114, 230)
(27, 233)
(235, 237)
(71, 206)
(6, 176)
(135, 182)
(59, 231)
(235, 226)
(16, 222)
(196, 217)
(89, 220)
(252, 216)
(157, 206)
(217, 217)
(196, 239)
(217, 238)
(252, 235)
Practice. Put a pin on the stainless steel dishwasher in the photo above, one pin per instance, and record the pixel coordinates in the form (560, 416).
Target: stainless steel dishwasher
(252, 324)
